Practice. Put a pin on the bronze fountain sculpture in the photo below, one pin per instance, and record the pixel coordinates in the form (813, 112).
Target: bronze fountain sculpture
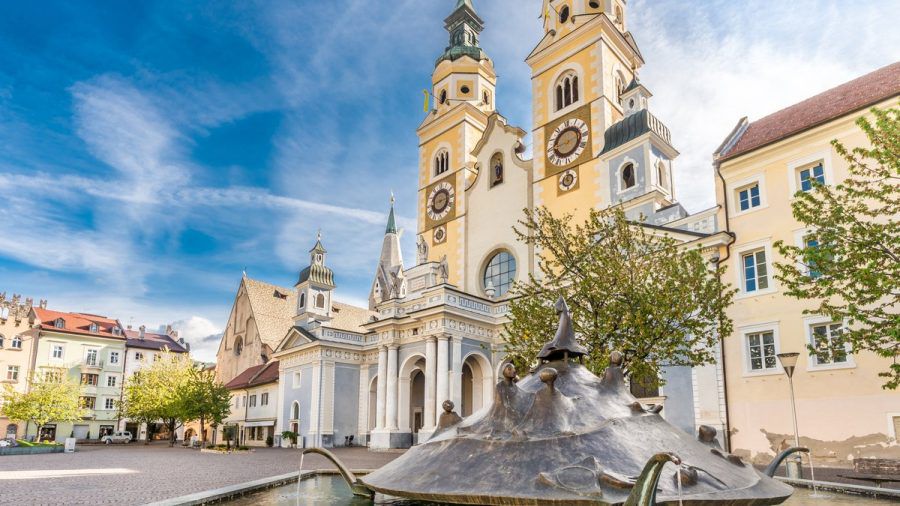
(561, 435)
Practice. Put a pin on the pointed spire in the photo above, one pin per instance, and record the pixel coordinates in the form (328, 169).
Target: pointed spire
(391, 224)
(318, 247)
(464, 26)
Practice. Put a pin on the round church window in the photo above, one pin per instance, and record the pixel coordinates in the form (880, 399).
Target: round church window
(500, 273)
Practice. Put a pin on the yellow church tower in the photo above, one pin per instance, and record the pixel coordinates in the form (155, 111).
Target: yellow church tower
(580, 69)
(463, 87)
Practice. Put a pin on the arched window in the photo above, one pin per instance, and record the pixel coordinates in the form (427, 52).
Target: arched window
(443, 97)
(295, 411)
(567, 90)
(302, 302)
(620, 18)
(620, 87)
(17, 342)
(441, 162)
(628, 179)
(320, 301)
(500, 272)
(662, 175)
(238, 346)
(486, 98)
(496, 169)
(11, 431)
(564, 14)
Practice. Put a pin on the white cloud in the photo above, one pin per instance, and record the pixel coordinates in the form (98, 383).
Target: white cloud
(203, 336)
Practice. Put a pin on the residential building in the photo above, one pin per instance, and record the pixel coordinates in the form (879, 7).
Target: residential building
(254, 404)
(17, 340)
(143, 348)
(842, 411)
(92, 349)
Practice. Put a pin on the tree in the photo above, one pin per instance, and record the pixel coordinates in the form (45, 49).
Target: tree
(850, 262)
(629, 288)
(52, 396)
(161, 391)
(209, 401)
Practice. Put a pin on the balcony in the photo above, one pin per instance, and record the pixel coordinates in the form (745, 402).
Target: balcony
(92, 364)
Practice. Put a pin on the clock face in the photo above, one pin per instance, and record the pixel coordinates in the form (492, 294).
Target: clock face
(567, 142)
(568, 180)
(440, 201)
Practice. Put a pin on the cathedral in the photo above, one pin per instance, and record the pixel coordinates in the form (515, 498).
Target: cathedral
(433, 330)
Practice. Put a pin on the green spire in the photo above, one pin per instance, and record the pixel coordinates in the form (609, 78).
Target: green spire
(391, 224)
(464, 26)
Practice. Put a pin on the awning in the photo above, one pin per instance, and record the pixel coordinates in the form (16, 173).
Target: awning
(266, 423)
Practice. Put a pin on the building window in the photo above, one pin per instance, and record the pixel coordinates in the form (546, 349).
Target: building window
(90, 357)
(302, 300)
(662, 175)
(94, 328)
(441, 162)
(90, 379)
(320, 301)
(297, 379)
(496, 169)
(748, 197)
(116, 331)
(761, 350)
(59, 323)
(812, 272)
(12, 373)
(628, 177)
(443, 97)
(253, 401)
(620, 17)
(109, 404)
(295, 411)
(828, 345)
(756, 275)
(17, 342)
(500, 273)
(88, 402)
(486, 98)
(157, 357)
(564, 14)
(264, 399)
(53, 376)
(566, 90)
(114, 357)
(110, 381)
(138, 355)
(812, 175)
(238, 346)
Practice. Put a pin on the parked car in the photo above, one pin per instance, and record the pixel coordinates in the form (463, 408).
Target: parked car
(4, 443)
(117, 437)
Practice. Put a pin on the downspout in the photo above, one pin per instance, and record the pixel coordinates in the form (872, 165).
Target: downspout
(718, 166)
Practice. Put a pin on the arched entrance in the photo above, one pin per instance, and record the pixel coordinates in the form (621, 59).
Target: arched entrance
(411, 386)
(477, 384)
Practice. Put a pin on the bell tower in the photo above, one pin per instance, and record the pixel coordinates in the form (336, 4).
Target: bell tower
(463, 91)
(579, 71)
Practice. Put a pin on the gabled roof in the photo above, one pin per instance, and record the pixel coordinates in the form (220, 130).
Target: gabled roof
(153, 341)
(847, 98)
(255, 376)
(78, 323)
(273, 309)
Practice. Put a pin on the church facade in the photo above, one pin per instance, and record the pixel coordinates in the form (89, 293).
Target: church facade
(433, 331)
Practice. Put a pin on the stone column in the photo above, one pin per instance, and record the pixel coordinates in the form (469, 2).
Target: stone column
(381, 382)
(456, 373)
(430, 377)
(390, 404)
(443, 388)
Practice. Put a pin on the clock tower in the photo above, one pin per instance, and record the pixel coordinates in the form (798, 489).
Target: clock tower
(579, 70)
(463, 90)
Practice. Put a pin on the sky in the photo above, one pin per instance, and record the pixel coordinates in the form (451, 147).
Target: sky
(150, 152)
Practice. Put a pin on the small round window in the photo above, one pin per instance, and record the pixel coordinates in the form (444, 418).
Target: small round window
(465, 90)
(500, 272)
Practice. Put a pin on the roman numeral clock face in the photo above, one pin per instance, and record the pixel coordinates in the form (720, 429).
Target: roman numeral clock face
(568, 141)
(440, 201)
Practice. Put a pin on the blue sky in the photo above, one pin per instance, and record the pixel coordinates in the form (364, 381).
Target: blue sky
(150, 151)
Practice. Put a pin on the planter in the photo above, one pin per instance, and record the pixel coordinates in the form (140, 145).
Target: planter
(223, 451)
(31, 450)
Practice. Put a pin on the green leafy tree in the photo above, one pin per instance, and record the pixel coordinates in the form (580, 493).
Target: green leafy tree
(850, 263)
(628, 288)
(161, 391)
(208, 400)
(140, 402)
(52, 396)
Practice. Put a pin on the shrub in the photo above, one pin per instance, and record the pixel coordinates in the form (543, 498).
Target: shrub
(270, 441)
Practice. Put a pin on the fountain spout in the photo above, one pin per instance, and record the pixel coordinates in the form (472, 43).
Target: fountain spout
(644, 491)
(773, 466)
(358, 487)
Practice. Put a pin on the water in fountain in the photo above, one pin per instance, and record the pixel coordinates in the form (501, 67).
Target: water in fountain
(680, 493)
(812, 476)
(300, 476)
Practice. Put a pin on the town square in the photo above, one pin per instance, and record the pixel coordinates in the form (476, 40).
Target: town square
(450, 252)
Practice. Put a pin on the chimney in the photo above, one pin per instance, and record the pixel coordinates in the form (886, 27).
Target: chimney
(142, 329)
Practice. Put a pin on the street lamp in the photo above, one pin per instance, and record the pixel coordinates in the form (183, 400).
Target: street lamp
(789, 363)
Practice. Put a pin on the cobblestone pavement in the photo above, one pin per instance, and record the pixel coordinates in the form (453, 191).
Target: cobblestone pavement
(139, 474)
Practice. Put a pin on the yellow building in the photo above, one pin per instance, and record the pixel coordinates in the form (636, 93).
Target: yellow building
(16, 349)
(842, 410)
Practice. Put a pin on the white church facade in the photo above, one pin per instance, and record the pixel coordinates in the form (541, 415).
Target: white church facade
(433, 330)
